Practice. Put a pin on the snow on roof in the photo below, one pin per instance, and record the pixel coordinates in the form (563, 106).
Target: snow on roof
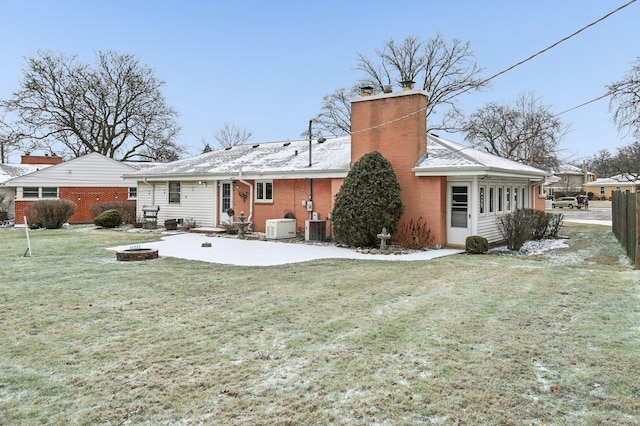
(614, 180)
(330, 158)
(10, 171)
(290, 157)
(447, 157)
(568, 169)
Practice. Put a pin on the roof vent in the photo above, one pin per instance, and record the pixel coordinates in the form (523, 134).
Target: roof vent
(286, 144)
(255, 145)
(387, 88)
(322, 140)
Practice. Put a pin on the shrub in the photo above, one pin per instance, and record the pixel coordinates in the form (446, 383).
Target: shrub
(554, 224)
(476, 244)
(540, 221)
(368, 201)
(415, 234)
(108, 219)
(516, 228)
(50, 214)
(127, 210)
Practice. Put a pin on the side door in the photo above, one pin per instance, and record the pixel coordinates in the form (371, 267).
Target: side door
(458, 212)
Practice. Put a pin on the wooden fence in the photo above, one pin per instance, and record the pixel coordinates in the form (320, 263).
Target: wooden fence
(625, 207)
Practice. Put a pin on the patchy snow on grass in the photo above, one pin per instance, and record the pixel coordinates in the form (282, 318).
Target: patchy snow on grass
(531, 248)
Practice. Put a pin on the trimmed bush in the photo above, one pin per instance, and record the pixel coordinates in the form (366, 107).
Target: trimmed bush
(476, 244)
(108, 219)
(50, 214)
(368, 201)
(127, 210)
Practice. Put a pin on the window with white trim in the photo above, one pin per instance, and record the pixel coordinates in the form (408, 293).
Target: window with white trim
(49, 192)
(133, 193)
(30, 192)
(174, 192)
(482, 200)
(264, 191)
(500, 200)
(492, 191)
(602, 190)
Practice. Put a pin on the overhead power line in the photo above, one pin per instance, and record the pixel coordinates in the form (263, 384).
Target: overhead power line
(558, 42)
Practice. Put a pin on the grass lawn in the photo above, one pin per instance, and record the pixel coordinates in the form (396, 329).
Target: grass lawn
(465, 339)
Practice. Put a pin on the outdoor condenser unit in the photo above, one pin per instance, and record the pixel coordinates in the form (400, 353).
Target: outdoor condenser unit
(280, 228)
(314, 230)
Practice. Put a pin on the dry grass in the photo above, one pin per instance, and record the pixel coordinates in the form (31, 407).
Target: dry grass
(469, 339)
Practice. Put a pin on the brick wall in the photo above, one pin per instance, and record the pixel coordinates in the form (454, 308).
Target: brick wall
(395, 125)
(288, 195)
(84, 198)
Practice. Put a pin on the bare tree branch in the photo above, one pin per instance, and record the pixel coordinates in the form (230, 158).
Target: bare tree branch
(526, 132)
(115, 108)
(230, 135)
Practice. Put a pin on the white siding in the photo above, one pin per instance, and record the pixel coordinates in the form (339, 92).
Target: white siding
(486, 225)
(197, 201)
(91, 170)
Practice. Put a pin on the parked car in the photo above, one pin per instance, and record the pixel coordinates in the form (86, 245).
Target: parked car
(569, 202)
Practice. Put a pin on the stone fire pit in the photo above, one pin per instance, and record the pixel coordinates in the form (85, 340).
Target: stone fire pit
(136, 253)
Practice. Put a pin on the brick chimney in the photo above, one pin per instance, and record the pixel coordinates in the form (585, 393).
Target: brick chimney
(27, 158)
(394, 124)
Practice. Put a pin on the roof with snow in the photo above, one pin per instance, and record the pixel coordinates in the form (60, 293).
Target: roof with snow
(614, 180)
(10, 171)
(330, 158)
(569, 169)
(446, 158)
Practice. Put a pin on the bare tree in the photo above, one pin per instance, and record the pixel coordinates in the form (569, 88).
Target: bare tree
(526, 132)
(230, 135)
(444, 70)
(115, 107)
(602, 164)
(335, 115)
(625, 100)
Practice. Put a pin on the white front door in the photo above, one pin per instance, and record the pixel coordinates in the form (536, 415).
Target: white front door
(226, 201)
(458, 212)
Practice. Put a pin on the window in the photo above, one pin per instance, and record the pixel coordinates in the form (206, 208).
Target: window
(264, 191)
(508, 199)
(491, 199)
(30, 192)
(524, 203)
(500, 203)
(133, 192)
(482, 200)
(174, 192)
(602, 190)
(49, 192)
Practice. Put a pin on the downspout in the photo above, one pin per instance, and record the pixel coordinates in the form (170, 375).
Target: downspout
(250, 198)
(153, 190)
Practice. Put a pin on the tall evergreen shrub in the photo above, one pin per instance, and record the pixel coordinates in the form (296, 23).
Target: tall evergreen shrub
(368, 201)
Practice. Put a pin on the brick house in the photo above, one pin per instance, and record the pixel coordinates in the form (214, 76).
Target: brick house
(87, 181)
(457, 190)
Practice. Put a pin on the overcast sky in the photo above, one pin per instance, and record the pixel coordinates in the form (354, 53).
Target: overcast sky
(265, 65)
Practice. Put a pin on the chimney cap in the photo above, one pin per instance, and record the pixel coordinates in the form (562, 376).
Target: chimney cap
(407, 84)
(366, 90)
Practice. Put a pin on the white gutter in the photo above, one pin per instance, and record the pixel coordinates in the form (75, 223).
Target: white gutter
(250, 198)
(153, 189)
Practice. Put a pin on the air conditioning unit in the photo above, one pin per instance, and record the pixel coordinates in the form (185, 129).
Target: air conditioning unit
(277, 229)
(314, 230)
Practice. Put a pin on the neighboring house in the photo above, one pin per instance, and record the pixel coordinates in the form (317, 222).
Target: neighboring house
(571, 181)
(602, 188)
(457, 190)
(30, 163)
(88, 180)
